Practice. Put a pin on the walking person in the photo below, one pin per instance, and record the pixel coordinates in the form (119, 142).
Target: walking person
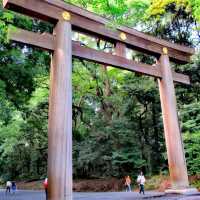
(141, 181)
(128, 183)
(14, 187)
(45, 183)
(8, 186)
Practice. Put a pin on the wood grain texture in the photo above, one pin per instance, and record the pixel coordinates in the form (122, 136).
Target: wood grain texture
(88, 22)
(120, 49)
(42, 40)
(46, 41)
(60, 116)
(173, 139)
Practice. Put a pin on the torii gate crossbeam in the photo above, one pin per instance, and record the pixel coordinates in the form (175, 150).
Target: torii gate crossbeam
(66, 18)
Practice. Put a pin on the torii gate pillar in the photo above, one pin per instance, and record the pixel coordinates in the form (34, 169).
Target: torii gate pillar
(60, 116)
(174, 144)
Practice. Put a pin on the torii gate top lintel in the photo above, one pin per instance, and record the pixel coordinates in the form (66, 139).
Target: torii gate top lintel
(51, 11)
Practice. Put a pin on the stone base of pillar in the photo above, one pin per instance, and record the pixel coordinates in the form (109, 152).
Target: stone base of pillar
(184, 191)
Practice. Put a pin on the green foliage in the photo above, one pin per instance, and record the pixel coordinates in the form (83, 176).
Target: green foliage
(192, 148)
(196, 184)
(111, 150)
(5, 18)
(188, 101)
(195, 5)
(127, 12)
(191, 117)
(159, 7)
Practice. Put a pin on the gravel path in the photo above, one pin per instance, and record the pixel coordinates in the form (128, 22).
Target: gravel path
(38, 195)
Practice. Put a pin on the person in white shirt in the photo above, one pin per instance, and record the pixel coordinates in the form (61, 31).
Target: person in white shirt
(141, 181)
(8, 186)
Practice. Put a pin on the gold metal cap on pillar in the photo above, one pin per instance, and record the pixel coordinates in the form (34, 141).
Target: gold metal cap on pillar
(66, 16)
(123, 36)
(165, 51)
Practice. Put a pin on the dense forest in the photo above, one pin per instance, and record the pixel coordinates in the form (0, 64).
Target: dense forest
(117, 121)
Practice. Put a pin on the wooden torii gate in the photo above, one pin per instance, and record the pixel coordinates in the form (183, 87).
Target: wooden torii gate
(66, 18)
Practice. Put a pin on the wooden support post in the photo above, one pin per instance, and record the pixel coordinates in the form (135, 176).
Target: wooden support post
(175, 151)
(60, 116)
(120, 49)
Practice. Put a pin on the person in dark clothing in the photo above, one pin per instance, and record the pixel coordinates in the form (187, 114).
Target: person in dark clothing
(14, 187)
